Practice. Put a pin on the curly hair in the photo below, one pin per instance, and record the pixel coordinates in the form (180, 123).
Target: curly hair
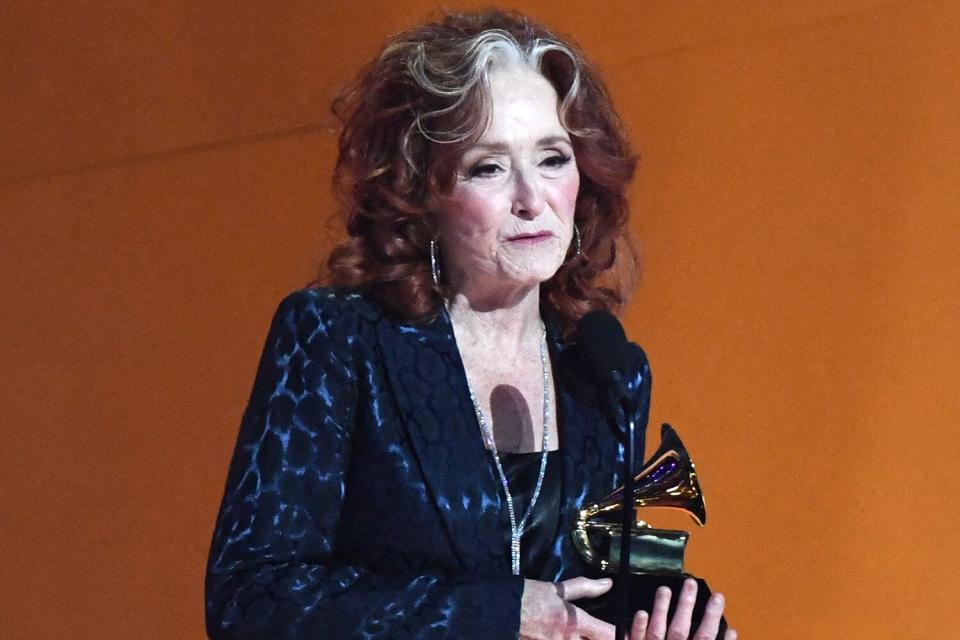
(410, 114)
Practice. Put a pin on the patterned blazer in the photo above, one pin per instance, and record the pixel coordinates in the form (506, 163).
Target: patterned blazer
(360, 501)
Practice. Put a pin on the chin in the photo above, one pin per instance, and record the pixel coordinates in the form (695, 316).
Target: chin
(534, 266)
(537, 274)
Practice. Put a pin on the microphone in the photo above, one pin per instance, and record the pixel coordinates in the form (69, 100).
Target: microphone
(604, 351)
(605, 354)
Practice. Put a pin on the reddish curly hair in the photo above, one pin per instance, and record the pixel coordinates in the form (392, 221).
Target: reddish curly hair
(410, 114)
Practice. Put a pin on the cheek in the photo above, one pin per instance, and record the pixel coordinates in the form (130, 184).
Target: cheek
(565, 194)
(469, 213)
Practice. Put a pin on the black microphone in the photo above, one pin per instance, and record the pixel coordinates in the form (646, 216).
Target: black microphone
(605, 354)
(604, 351)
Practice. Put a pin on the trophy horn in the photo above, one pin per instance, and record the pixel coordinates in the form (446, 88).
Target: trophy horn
(668, 479)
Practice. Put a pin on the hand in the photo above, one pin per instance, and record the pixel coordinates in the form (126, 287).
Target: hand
(654, 626)
(547, 614)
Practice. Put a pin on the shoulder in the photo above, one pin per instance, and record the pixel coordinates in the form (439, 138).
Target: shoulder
(641, 380)
(639, 359)
(315, 317)
(326, 306)
(640, 369)
(327, 303)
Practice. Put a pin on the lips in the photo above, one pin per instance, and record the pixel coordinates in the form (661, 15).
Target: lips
(530, 237)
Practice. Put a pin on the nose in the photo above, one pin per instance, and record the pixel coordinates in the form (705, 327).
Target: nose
(528, 200)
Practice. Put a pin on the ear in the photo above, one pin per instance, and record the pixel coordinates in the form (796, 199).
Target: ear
(433, 205)
(419, 231)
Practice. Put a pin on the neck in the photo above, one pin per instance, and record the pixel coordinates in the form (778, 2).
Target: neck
(512, 321)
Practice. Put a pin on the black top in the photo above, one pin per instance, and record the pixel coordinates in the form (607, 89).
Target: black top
(540, 532)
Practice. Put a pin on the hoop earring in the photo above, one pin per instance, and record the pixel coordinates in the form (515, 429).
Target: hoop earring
(434, 262)
(576, 238)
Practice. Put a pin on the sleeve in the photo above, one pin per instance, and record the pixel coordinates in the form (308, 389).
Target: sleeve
(272, 571)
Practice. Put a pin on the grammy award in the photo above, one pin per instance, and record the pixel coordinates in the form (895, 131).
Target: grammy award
(667, 479)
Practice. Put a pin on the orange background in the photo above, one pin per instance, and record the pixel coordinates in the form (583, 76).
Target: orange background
(164, 182)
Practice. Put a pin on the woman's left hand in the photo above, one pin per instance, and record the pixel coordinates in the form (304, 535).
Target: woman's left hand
(654, 626)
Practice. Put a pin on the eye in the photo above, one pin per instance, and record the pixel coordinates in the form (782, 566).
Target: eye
(555, 161)
(484, 170)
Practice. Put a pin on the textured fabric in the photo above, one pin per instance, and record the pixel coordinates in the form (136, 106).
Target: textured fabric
(360, 501)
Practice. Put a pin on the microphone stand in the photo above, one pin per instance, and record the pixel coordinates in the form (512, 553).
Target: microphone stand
(627, 513)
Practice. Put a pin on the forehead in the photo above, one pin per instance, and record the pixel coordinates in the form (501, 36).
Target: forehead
(523, 104)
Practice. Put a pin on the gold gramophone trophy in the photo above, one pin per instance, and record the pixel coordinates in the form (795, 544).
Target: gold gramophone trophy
(667, 479)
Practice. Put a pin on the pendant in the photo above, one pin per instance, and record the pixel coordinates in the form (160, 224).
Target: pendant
(515, 551)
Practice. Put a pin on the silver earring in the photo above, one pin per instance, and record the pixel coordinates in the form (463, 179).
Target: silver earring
(434, 263)
(576, 237)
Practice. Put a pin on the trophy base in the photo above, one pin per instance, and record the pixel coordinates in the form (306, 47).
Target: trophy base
(642, 589)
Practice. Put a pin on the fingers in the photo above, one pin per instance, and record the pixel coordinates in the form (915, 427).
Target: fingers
(581, 624)
(638, 631)
(657, 626)
(682, 616)
(576, 588)
(645, 626)
(710, 624)
(545, 614)
(654, 626)
(591, 628)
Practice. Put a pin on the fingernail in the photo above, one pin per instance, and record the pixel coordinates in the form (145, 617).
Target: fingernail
(606, 581)
(663, 592)
(717, 598)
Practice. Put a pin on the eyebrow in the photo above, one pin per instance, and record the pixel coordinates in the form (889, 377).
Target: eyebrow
(502, 146)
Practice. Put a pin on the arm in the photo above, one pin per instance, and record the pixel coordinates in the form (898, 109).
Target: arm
(272, 571)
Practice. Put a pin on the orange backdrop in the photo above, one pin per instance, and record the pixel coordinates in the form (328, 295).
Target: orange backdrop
(163, 182)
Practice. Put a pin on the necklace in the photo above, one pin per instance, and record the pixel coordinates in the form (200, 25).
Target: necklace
(516, 529)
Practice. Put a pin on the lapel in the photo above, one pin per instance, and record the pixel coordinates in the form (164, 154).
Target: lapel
(428, 382)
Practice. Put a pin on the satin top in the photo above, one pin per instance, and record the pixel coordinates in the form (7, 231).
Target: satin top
(522, 470)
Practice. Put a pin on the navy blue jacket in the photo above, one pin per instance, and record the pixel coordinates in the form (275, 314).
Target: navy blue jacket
(360, 500)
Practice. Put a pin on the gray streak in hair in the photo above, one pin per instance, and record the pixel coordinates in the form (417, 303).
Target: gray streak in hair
(454, 79)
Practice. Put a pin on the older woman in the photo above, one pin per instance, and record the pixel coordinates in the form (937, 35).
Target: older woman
(413, 451)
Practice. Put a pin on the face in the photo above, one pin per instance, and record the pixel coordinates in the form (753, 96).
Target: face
(508, 220)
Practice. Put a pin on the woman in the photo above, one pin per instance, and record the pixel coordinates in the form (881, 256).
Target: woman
(408, 464)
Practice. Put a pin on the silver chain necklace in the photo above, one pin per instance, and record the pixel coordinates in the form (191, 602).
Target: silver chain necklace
(516, 529)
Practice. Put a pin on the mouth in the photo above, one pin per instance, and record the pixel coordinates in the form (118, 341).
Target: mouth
(530, 238)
